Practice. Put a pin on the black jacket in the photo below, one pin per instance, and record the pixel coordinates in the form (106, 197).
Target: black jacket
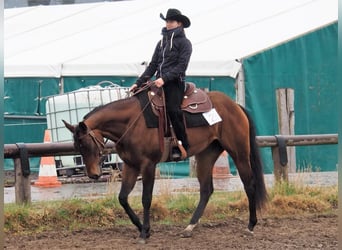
(170, 58)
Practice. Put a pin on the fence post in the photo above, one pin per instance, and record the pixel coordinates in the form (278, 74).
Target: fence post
(285, 107)
(193, 165)
(280, 164)
(22, 184)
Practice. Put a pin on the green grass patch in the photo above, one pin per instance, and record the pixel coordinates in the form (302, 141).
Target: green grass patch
(285, 199)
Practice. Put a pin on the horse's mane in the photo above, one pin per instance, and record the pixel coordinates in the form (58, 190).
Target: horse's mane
(121, 101)
(93, 111)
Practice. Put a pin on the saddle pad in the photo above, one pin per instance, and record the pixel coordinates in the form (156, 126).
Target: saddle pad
(195, 120)
(151, 119)
(191, 119)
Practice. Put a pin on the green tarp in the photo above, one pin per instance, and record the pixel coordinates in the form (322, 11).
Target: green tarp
(309, 66)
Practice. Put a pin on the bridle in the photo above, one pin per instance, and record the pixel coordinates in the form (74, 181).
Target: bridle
(100, 144)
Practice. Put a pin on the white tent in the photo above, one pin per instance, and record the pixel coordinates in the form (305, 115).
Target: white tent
(114, 38)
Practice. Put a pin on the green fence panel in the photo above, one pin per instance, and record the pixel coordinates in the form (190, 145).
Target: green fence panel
(23, 130)
(25, 96)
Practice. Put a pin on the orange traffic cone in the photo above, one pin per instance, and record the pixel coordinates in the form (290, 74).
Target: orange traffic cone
(221, 167)
(47, 170)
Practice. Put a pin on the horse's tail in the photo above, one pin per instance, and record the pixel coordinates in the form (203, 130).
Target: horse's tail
(261, 196)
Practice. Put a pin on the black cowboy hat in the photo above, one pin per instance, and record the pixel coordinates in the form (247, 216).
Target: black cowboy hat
(176, 15)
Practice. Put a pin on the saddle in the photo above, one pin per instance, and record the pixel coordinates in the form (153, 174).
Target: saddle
(195, 101)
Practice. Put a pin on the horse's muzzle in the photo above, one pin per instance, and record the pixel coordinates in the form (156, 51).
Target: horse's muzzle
(94, 171)
(94, 176)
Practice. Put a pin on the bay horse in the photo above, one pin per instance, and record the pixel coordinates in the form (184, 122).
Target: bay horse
(122, 122)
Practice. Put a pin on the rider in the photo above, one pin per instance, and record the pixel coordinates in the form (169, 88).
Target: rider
(169, 62)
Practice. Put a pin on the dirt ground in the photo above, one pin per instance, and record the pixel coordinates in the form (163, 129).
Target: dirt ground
(313, 232)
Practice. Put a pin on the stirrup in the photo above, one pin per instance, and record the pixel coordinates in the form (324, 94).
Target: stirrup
(179, 153)
(176, 154)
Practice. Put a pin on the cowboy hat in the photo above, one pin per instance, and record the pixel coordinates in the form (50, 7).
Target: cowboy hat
(176, 15)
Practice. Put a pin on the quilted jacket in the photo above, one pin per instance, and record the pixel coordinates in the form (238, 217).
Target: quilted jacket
(170, 58)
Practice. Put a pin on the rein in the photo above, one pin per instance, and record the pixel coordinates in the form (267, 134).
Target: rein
(144, 87)
(100, 144)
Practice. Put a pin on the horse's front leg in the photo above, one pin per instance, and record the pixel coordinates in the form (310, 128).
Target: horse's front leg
(129, 178)
(148, 177)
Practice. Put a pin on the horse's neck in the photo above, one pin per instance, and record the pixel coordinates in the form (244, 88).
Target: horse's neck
(112, 120)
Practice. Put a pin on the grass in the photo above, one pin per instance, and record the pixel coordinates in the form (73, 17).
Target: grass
(285, 199)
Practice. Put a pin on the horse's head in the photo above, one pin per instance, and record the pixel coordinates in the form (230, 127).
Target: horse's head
(90, 145)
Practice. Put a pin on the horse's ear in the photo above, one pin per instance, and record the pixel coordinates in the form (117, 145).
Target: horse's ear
(83, 126)
(69, 126)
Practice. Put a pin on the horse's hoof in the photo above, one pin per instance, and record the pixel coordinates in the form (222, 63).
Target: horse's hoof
(248, 232)
(185, 234)
(141, 241)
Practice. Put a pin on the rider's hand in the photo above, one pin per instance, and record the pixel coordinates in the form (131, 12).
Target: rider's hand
(159, 82)
(133, 87)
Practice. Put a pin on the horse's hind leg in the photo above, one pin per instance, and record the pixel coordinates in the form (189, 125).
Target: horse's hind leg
(205, 162)
(129, 178)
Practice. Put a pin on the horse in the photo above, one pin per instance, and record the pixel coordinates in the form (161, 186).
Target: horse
(139, 147)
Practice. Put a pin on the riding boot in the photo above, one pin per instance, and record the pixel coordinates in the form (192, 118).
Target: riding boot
(179, 128)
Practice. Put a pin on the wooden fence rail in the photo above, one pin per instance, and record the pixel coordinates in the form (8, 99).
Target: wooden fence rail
(298, 140)
(279, 143)
(67, 148)
(47, 149)
(21, 152)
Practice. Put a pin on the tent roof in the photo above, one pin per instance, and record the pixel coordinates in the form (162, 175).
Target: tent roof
(114, 38)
